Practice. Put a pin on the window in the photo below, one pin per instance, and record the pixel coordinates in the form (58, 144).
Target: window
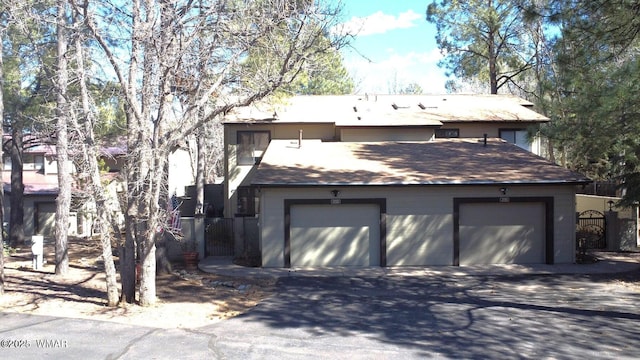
(248, 201)
(251, 146)
(447, 133)
(516, 136)
(33, 162)
(29, 162)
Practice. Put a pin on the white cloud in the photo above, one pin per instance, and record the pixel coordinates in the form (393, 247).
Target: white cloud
(404, 69)
(380, 23)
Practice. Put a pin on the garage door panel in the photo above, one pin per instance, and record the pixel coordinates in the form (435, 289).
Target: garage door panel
(502, 233)
(335, 235)
(330, 246)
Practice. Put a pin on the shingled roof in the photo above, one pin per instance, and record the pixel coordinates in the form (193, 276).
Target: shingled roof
(389, 110)
(444, 161)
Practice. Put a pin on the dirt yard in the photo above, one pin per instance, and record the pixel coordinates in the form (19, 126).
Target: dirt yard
(185, 299)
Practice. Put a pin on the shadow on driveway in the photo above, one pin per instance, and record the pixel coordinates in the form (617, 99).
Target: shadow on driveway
(520, 316)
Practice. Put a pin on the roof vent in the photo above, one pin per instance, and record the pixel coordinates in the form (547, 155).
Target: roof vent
(396, 106)
(423, 106)
(355, 109)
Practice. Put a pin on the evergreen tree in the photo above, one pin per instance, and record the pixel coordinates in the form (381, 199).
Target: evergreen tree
(597, 127)
(28, 55)
(482, 39)
(323, 75)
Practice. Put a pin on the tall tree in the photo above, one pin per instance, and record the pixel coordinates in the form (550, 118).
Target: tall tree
(84, 125)
(483, 39)
(28, 92)
(162, 61)
(324, 74)
(63, 201)
(597, 127)
(2, 239)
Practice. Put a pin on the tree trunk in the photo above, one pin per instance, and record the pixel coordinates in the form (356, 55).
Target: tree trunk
(148, 274)
(200, 170)
(156, 161)
(1, 167)
(63, 201)
(133, 168)
(16, 206)
(107, 256)
(90, 153)
(128, 262)
(163, 264)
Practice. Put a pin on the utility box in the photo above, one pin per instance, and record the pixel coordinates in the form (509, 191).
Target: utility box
(37, 249)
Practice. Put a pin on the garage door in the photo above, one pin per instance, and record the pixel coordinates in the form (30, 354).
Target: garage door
(335, 235)
(502, 233)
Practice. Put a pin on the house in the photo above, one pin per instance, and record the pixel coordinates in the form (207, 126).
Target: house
(40, 178)
(398, 181)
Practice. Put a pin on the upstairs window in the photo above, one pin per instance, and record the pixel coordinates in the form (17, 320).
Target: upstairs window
(251, 146)
(518, 137)
(33, 162)
(29, 162)
(447, 133)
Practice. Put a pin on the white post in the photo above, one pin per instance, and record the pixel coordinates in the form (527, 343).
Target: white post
(37, 249)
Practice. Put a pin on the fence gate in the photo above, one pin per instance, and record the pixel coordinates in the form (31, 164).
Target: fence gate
(219, 236)
(591, 230)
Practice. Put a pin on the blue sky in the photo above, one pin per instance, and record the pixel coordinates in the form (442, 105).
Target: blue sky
(395, 44)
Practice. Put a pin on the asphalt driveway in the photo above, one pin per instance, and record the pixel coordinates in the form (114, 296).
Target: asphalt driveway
(455, 317)
(447, 316)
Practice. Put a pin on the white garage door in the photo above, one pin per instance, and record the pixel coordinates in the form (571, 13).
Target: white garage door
(335, 235)
(502, 233)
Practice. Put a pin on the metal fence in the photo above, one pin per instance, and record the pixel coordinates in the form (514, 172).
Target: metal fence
(219, 237)
(591, 230)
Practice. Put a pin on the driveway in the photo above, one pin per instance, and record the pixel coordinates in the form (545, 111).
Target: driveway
(444, 316)
(449, 316)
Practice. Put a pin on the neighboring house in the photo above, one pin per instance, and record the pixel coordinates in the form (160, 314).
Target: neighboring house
(40, 178)
(398, 181)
